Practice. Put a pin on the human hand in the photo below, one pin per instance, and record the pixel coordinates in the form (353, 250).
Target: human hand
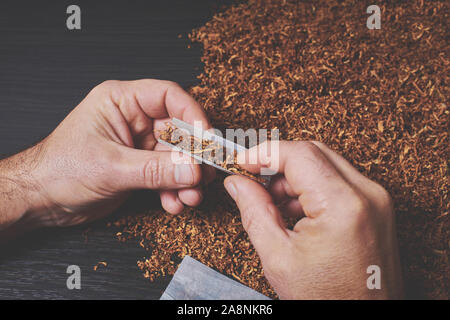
(345, 224)
(104, 148)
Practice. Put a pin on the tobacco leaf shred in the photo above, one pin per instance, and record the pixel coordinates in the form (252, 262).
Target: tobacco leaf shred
(316, 72)
(207, 150)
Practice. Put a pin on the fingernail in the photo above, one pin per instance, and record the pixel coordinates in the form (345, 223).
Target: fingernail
(184, 174)
(231, 189)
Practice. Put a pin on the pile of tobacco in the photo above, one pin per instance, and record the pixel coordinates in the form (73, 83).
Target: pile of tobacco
(315, 71)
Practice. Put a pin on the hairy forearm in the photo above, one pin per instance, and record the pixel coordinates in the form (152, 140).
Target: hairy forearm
(19, 191)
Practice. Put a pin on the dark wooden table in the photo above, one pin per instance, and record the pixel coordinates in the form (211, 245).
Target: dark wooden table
(45, 71)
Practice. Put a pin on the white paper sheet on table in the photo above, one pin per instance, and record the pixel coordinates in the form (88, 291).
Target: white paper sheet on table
(195, 281)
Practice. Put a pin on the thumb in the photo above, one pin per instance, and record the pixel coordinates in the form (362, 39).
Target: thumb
(143, 169)
(260, 217)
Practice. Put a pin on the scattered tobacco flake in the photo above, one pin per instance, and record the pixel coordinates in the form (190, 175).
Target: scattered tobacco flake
(100, 263)
(314, 70)
(206, 149)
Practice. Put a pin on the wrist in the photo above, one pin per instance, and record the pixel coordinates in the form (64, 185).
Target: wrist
(21, 201)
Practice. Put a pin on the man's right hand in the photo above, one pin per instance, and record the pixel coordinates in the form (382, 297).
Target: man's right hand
(346, 224)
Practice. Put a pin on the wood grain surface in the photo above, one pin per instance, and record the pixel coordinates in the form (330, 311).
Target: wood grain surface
(45, 71)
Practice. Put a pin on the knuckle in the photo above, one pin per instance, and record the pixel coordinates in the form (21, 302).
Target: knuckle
(248, 220)
(314, 158)
(318, 143)
(253, 218)
(359, 210)
(307, 147)
(172, 84)
(108, 85)
(105, 87)
(153, 172)
(384, 199)
(309, 151)
(359, 203)
(197, 175)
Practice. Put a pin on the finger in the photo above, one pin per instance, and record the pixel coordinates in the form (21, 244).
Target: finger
(142, 169)
(170, 201)
(286, 200)
(292, 208)
(310, 175)
(169, 198)
(208, 172)
(175, 195)
(343, 166)
(280, 190)
(159, 100)
(191, 196)
(131, 106)
(162, 147)
(260, 217)
(369, 188)
(177, 156)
